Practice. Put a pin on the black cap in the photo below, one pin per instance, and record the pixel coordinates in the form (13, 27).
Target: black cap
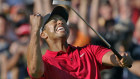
(61, 11)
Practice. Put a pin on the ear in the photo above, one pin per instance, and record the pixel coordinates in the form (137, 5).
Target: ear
(44, 35)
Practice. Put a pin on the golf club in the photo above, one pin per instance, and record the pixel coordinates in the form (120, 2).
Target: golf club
(68, 3)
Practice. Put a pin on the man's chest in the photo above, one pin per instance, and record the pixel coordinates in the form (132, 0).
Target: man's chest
(74, 65)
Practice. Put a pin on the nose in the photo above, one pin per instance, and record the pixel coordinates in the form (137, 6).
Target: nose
(60, 22)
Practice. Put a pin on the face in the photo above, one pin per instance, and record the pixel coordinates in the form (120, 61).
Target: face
(106, 11)
(56, 28)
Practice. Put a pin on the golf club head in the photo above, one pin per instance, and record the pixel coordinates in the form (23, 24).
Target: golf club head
(60, 2)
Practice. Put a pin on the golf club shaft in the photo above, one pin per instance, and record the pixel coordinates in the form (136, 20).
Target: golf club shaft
(56, 2)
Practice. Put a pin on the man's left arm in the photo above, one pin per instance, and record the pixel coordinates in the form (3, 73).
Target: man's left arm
(110, 59)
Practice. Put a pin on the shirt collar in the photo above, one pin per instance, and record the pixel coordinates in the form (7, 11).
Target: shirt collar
(55, 53)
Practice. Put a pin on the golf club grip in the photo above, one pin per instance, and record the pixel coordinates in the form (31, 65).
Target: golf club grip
(59, 2)
(118, 55)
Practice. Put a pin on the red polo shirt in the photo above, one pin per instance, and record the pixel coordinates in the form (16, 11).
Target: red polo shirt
(76, 63)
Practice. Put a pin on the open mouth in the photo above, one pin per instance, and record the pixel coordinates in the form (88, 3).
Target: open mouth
(60, 29)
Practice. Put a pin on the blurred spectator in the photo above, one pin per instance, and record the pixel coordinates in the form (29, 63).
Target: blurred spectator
(135, 10)
(134, 51)
(75, 4)
(18, 14)
(15, 2)
(81, 30)
(4, 44)
(4, 8)
(17, 63)
(136, 38)
(111, 26)
(102, 21)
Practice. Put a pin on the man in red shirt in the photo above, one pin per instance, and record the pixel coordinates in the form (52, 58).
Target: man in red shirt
(61, 60)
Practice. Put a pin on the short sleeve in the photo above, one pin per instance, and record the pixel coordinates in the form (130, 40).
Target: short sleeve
(99, 52)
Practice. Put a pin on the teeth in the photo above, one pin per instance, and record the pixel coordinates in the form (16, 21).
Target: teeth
(60, 28)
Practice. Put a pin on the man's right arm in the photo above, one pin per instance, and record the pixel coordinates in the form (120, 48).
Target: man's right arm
(34, 57)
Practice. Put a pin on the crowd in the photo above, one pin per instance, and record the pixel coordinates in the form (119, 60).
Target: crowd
(118, 21)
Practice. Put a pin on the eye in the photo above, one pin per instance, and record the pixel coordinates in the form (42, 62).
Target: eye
(53, 21)
(62, 20)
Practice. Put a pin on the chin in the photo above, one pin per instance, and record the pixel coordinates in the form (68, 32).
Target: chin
(63, 36)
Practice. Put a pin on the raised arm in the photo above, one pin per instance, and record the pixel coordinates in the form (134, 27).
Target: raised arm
(42, 6)
(34, 57)
(38, 6)
(94, 16)
(83, 10)
(83, 35)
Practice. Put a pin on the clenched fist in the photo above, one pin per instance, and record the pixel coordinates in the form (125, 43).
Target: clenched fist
(35, 21)
(126, 60)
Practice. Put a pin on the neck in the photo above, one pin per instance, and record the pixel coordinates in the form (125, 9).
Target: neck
(58, 45)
